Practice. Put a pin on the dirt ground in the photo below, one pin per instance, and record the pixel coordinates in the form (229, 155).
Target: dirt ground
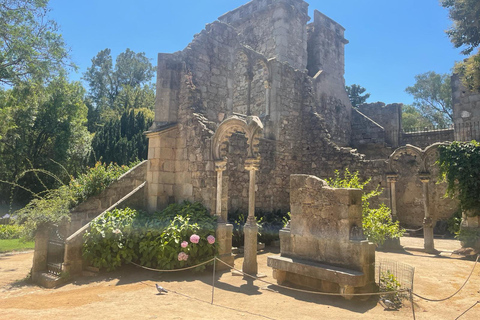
(129, 293)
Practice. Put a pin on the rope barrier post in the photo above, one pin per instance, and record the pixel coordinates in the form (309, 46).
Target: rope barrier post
(213, 277)
(411, 302)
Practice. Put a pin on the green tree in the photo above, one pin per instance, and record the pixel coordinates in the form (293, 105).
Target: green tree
(413, 119)
(122, 140)
(48, 131)
(119, 88)
(466, 29)
(469, 71)
(355, 94)
(30, 46)
(433, 97)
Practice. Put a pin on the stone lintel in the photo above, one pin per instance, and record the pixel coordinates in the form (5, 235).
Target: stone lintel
(392, 177)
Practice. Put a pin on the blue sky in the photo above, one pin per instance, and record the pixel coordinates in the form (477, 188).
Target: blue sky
(390, 40)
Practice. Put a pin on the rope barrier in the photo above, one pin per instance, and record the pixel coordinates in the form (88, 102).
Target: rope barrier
(451, 296)
(173, 270)
(314, 292)
(467, 310)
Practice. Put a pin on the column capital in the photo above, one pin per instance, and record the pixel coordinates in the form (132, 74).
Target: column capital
(252, 164)
(392, 177)
(424, 177)
(220, 165)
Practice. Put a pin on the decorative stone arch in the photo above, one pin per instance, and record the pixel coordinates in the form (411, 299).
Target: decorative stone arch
(252, 127)
(422, 157)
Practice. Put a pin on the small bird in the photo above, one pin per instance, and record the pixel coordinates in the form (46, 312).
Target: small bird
(161, 289)
(388, 304)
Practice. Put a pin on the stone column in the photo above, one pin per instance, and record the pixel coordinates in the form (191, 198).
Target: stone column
(250, 230)
(427, 220)
(392, 179)
(224, 230)
(220, 166)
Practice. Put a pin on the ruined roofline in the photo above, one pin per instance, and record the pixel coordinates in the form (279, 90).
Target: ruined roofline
(317, 15)
(255, 6)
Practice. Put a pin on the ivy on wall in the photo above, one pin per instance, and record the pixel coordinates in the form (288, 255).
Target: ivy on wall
(460, 167)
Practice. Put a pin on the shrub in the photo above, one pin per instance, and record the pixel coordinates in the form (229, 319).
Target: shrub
(54, 206)
(177, 237)
(10, 231)
(377, 223)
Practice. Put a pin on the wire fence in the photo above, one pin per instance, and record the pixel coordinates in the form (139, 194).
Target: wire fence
(393, 275)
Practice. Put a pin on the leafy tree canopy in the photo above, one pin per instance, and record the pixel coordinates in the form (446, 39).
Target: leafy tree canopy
(413, 119)
(47, 131)
(433, 97)
(119, 88)
(466, 29)
(122, 140)
(30, 47)
(355, 94)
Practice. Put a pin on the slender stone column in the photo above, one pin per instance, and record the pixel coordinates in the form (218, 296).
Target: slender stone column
(224, 230)
(427, 221)
(220, 166)
(392, 179)
(250, 265)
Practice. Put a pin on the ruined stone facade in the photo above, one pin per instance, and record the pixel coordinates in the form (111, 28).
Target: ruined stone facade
(264, 60)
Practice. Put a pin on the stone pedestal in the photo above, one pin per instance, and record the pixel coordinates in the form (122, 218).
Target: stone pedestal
(427, 221)
(224, 239)
(250, 265)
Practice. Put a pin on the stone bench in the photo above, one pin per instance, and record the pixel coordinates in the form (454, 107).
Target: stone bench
(315, 275)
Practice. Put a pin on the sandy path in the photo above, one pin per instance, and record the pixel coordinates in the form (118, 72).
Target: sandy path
(129, 294)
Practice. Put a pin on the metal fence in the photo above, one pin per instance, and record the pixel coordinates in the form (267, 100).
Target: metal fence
(392, 275)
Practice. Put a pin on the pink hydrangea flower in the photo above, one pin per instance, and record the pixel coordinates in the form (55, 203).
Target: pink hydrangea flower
(211, 239)
(194, 238)
(182, 256)
(184, 244)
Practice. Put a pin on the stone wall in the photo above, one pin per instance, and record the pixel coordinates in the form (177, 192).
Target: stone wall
(423, 139)
(466, 111)
(93, 206)
(388, 116)
(274, 28)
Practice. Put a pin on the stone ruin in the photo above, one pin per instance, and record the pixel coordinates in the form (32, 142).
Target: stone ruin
(257, 96)
(323, 247)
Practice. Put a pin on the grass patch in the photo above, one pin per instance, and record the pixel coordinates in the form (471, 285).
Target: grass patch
(15, 245)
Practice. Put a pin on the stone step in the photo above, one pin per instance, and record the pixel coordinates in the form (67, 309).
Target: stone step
(49, 280)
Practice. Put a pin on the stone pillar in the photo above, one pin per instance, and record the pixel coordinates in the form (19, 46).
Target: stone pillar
(40, 254)
(224, 230)
(427, 220)
(220, 166)
(392, 179)
(250, 265)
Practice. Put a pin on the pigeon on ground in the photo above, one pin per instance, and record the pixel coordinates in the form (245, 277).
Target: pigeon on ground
(388, 304)
(160, 289)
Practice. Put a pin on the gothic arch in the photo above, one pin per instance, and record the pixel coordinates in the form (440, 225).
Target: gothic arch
(410, 150)
(252, 128)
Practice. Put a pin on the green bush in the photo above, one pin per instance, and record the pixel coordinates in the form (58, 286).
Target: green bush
(10, 231)
(468, 236)
(459, 167)
(377, 223)
(54, 206)
(153, 241)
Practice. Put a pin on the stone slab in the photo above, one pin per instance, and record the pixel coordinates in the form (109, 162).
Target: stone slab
(342, 276)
